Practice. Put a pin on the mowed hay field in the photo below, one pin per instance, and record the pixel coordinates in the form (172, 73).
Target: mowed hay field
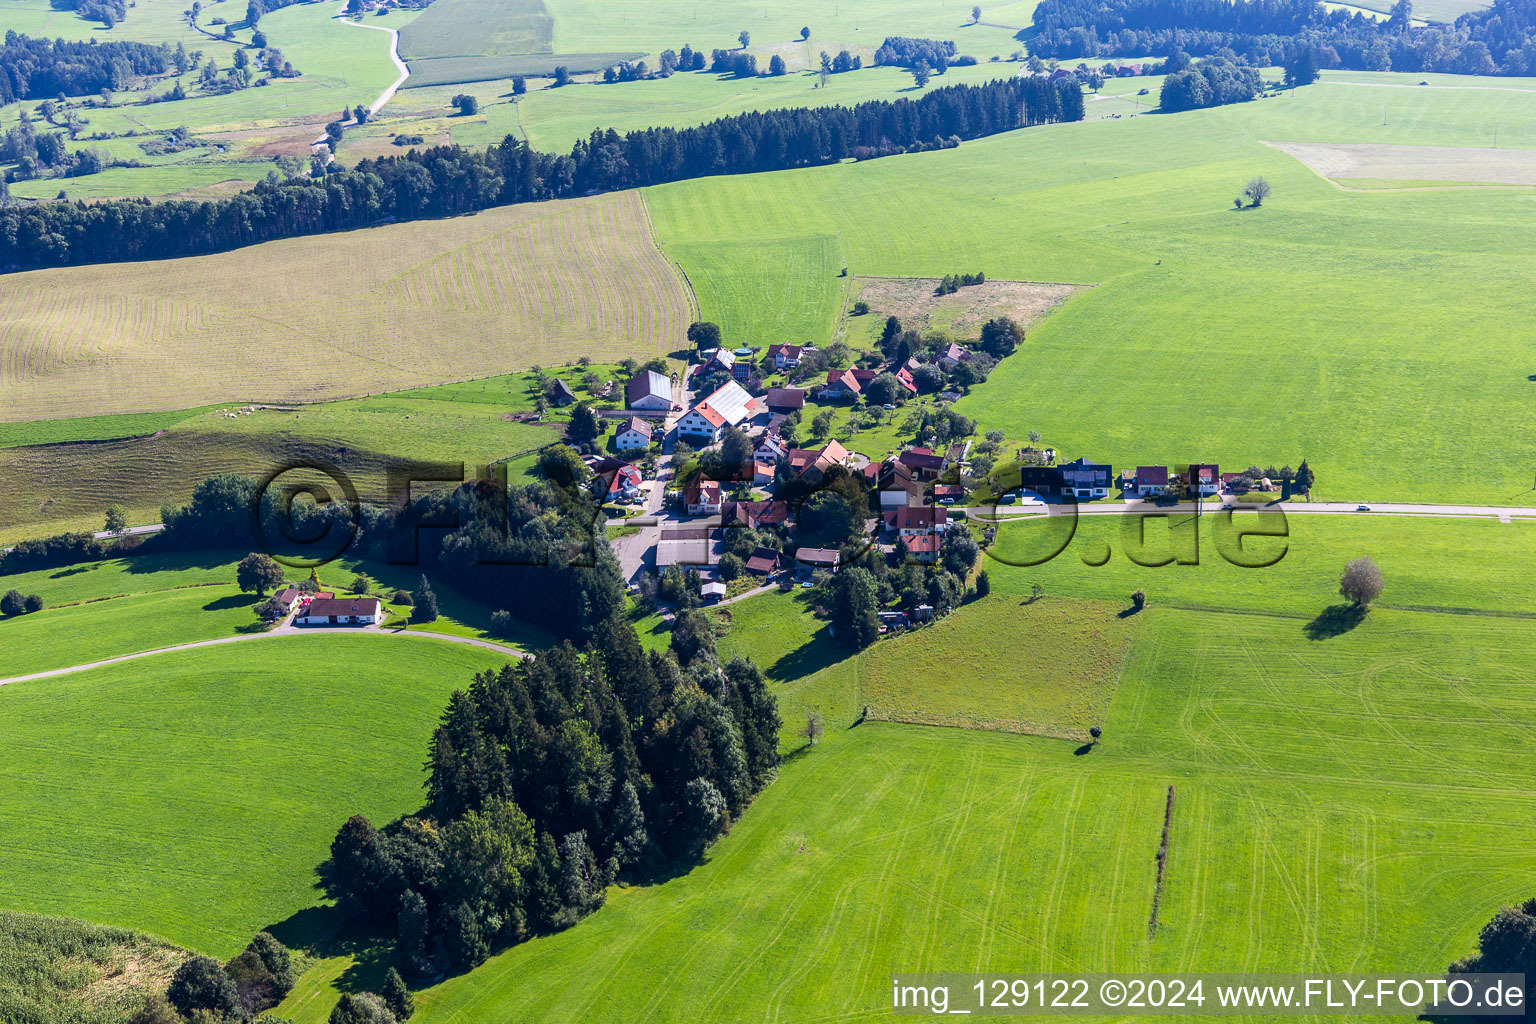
(1358, 330)
(192, 795)
(336, 315)
(1359, 804)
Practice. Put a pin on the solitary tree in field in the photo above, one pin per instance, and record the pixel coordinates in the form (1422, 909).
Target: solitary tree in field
(117, 520)
(975, 14)
(1096, 732)
(424, 603)
(257, 572)
(813, 729)
(1257, 190)
(805, 33)
(704, 335)
(1304, 478)
(360, 584)
(745, 38)
(1362, 582)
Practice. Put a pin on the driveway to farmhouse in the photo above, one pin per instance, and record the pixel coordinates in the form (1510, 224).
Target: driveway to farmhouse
(280, 631)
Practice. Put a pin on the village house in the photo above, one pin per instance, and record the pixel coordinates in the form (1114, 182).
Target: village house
(1084, 479)
(803, 460)
(840, 384)
(1149, 481)
(905, 379)
(923, 463)
(284, 599)
(649, 390)
(896, 484)
(729, 406)
(787, 357)
(560, 392)
(762, 474)
(1204, 479)
(702, 498)
(620, 482)
(754, 514)
(347, 611)
(633, 436)
(770, 448)
(923, 547)
(952, 357)
(719, 361)
(817, 558)
(916, 520)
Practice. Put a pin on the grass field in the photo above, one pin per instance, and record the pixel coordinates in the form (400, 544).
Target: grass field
(1337, 808)
(1475, 565)
(241, 131)
(1169, 359)
(583, 26)
(192, 796)
(100, 610)
(479, 28)
(552, 120)
(412, 304)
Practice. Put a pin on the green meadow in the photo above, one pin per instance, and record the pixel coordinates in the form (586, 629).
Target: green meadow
(1479, 565)
(100, 610)
(1357, 330)
(1336, 808)
(193, 796)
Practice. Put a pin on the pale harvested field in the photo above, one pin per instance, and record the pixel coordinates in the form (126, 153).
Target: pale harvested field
(337, 315)
(912, 300)
(1415, 163)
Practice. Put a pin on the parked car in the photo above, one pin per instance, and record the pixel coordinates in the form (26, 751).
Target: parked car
(1363, 508)
(888, 407)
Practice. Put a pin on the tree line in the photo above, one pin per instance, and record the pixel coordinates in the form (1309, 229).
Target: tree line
(1498, 41)
(549, 779)
(448, 180)
(44, 68)
(1209, 83)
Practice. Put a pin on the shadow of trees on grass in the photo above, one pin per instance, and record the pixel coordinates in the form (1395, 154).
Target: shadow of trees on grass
(1335, 620)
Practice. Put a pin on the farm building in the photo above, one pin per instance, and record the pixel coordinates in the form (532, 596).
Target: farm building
(803, 460)
(770, 449)
(729, 406)
(634, 435)
(649, 390)
(347, 611)
(713, 592)
(786, 400)
(720, 361)
(953, 356)
(560, 392)
(691, 547)
(763, 562)
(817, 558)
(284, 598)
(753, 514)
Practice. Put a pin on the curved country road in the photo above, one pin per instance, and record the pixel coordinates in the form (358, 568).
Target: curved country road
(394, 55)
(279, 632)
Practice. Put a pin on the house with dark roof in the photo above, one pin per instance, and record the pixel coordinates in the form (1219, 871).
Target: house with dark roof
(785, 400)
(923, 463)
(1083, 479)
(770, 448)
(692, 547)
(560, 392)
(284, 598)
(898, 485)
(649, 390)
(634, 435)
(763, 562)
(347, 611)
(817, 558)
(1149, 481)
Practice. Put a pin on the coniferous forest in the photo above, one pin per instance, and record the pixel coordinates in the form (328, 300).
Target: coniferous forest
(447, 180)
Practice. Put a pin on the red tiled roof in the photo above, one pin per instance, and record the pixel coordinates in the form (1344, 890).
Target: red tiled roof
(1152, 476)
(923, 542)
